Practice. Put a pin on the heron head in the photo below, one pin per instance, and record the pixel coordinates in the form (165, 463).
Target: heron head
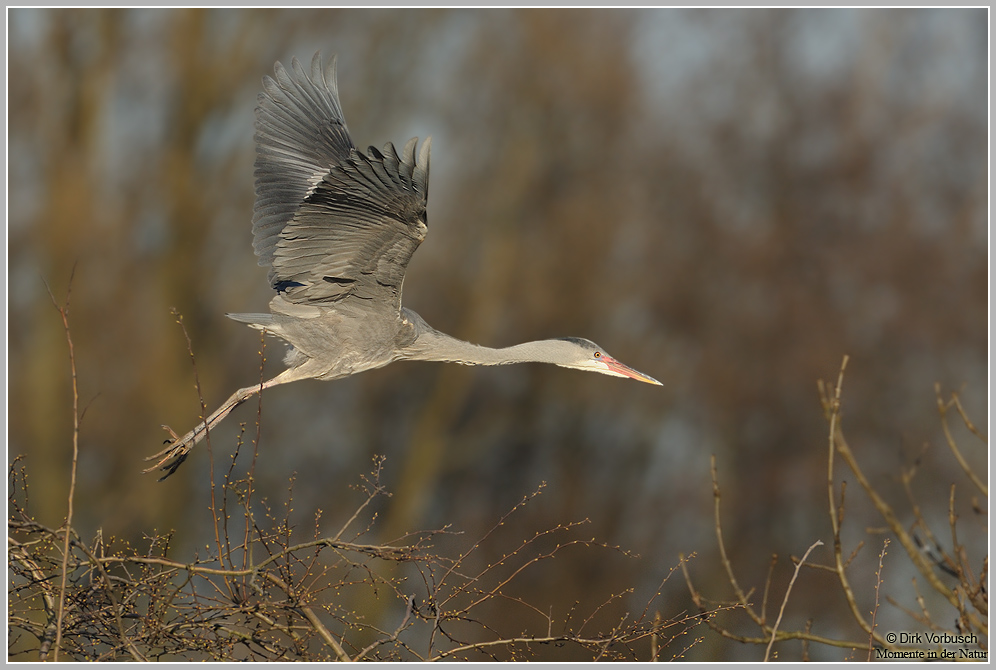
(586, 355)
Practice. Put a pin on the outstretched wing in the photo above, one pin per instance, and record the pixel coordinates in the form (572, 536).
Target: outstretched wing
(332, 223)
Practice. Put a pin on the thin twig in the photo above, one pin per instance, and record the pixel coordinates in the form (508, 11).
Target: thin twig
(942, 408)
(17, 551)
(312, 618)
(774, 629)
(832, 408)
(207, 430)
(247, 501)
(409, 608)
(741, 596)
(767, 587)
(64, 313)
(895, 525)
(324, 633)
(878, 584)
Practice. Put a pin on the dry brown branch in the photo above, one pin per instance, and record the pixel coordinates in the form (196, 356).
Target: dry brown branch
(64, 314)
(781, 611)
(878, 586)
(942, 408)
(742, 598)
(968, 598)
(832, 407)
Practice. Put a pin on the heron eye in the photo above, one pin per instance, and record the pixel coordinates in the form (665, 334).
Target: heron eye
(598, 354)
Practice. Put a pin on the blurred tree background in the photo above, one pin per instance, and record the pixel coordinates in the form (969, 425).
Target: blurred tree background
(727, 200)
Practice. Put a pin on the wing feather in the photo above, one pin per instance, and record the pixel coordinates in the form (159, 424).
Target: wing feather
(332, 223)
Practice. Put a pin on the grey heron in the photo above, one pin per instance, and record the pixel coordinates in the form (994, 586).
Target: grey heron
(337, 227)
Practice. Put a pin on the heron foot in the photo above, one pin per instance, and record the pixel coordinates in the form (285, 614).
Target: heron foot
(174, 454)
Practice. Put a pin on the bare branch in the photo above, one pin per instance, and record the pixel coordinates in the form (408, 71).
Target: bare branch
(781, 611)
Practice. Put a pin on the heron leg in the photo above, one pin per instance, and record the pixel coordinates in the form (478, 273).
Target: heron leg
(177, 448)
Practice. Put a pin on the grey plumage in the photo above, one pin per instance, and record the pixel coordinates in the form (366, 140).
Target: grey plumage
(337, 227)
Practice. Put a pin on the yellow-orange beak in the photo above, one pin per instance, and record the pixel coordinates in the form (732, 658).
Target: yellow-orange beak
(617, 368)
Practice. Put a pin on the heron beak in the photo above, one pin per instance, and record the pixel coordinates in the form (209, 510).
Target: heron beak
(626, 371)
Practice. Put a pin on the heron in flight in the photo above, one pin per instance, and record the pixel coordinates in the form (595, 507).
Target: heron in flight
(337, 227)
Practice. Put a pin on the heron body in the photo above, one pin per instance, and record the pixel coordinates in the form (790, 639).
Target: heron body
(337, 227)
(337, 340)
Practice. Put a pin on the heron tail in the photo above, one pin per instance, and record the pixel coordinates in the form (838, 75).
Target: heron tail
(255, 320)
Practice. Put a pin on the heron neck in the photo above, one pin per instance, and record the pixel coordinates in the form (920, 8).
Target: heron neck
(433, 345)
